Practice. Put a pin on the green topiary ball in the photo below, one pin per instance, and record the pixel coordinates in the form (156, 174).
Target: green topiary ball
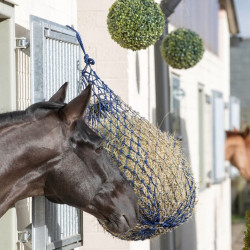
(135, 24)
(182, 48)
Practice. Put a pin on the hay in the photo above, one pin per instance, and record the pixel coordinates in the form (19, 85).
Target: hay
(153, 162)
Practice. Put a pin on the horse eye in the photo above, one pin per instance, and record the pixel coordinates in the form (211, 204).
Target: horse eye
(99, 150)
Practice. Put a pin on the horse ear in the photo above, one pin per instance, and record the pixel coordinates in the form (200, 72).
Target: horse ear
(247, 131)
(76, 107)
(235, 129)
(60, 95)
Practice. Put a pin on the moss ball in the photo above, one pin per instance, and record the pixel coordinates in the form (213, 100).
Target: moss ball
(135, 24)
(182, 48)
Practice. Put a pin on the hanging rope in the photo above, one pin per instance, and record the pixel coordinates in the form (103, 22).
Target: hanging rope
(87, 59)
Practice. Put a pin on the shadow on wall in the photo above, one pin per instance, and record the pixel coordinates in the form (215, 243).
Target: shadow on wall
(185, 236)
(240, 193)
(23, 214)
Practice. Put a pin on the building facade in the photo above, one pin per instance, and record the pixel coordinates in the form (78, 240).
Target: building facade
(132, 76)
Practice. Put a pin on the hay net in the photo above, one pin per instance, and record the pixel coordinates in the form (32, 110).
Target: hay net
(152, 161)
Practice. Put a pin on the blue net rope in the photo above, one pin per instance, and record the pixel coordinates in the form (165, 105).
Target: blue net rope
(152, 161)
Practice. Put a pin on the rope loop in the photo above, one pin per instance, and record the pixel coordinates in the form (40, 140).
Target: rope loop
(88, 60)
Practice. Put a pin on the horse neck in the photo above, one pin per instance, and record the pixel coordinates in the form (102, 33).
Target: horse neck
(28, 152)
(230, 145)
(236, 153)
(7, 120)
(247, 142)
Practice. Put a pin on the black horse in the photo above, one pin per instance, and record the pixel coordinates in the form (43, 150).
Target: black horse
(49, 150)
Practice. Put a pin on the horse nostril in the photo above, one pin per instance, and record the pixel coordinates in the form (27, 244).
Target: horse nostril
(137, 212)
(124, 216)
(130, 222)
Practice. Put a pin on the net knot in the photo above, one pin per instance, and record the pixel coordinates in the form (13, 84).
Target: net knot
(88, 60)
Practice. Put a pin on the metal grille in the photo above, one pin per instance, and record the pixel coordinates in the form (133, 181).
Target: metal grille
(62, 226)
(60, 65)
(55, 58)
(23, 101)
(23, 79)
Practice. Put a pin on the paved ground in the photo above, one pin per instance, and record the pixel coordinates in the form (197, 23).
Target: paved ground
(238, 236)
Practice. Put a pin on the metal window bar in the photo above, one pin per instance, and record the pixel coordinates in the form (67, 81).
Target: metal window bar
(23, 79)
(218, 137)
(234, 113)
(234, 123)
(55, 59)
(23, 101)
(175, 107)
(201, 144)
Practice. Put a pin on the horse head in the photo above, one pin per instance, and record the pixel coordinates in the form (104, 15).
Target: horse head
(85, 177)
(66, 162)
(237, 151)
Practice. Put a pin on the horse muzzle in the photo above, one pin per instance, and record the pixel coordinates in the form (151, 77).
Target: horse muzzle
(120, 225)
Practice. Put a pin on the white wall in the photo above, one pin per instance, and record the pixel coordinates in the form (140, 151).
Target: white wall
(59, 11)
(111, 60)
(7, 63)
(7, 103)
(141, 72)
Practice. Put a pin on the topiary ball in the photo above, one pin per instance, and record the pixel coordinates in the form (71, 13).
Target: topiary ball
(135, 24)
(182, 48)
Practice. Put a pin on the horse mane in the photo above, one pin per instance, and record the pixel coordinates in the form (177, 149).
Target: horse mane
(243, 134)
(247, 131)
(24, 116)
(234, 133)
(9, 118)
(43, 106)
